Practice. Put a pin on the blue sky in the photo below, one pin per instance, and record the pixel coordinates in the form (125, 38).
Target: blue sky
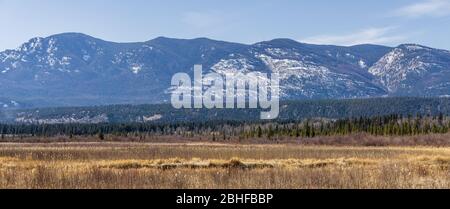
(343, 22)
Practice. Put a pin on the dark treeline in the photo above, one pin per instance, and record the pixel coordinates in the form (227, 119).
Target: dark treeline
(289, 110)
(391, 125)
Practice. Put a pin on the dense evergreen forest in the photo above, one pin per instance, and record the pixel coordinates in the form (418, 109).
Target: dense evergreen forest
(300, 119)
(289, 111)
(391, 125)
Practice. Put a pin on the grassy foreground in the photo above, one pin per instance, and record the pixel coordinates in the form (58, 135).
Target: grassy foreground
(205, 165)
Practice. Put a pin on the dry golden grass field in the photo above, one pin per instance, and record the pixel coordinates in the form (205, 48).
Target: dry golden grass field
(205, 165)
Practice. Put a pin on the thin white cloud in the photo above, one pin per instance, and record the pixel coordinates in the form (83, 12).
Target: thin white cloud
(366, 36)
(431, 8)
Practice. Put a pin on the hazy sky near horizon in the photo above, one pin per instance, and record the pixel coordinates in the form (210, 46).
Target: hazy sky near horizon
(344, 22)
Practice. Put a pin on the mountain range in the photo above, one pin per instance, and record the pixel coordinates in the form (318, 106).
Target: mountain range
(74, 69)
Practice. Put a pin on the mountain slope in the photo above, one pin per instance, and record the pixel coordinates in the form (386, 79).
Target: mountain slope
(414, 70)
(74, 69)
(290, 111)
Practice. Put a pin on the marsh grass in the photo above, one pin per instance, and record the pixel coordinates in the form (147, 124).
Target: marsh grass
(203, 165)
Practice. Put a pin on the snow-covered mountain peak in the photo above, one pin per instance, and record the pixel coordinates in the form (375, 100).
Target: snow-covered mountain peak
(31, 46)
(78, 69)
(410, 65)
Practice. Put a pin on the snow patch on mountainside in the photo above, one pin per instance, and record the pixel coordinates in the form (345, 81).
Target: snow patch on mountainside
(103, 118)
(9, 104)
(232, 66)
(362, 64)
(151, 118)
(278, 52)
(32, 46)
(136, 68)
(389, 69)
(287, 68)
(415, 47)
(395, 68)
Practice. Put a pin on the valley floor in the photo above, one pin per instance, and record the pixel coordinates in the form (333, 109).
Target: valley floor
(208, 165)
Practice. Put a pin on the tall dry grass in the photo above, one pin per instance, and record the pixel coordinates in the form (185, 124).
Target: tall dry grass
(200, 165)
(361, 139)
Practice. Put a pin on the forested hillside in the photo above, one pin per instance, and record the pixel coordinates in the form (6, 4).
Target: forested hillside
(289, 111)
(392, 125)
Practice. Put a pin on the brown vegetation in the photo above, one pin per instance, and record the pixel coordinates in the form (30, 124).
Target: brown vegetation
(204, 165)
(436, 140)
